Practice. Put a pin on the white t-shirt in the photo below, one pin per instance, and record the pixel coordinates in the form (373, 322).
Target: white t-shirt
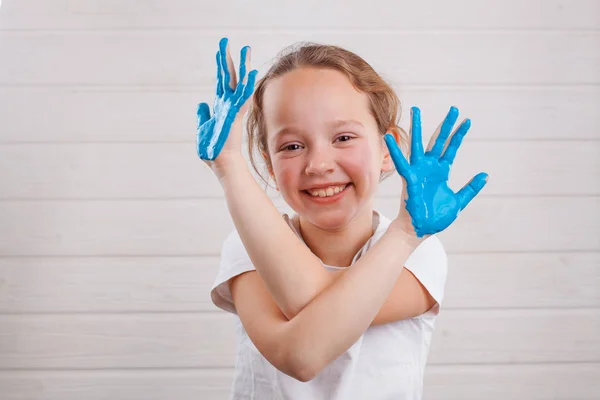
(386, 362)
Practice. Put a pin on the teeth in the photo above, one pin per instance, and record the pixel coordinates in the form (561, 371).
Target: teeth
(330, 191)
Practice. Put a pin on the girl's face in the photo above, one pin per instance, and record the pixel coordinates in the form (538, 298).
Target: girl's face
(322, 139)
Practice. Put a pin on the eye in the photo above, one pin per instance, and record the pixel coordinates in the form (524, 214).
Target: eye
(289, 147)
(348, 138)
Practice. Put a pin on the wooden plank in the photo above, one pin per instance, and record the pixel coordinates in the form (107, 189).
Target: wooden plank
(194, 340)
(167, 114)
(523, 280)
(191, 340)
(181, 58)
(204, 384)
(173, 170)
(199, 226)
(454, 382)
(182, 284)
(107, 14)
(516, 336)
(500, 382)
(107, 284)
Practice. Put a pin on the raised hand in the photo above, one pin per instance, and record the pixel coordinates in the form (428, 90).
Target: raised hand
(432, 205)
(212, 132)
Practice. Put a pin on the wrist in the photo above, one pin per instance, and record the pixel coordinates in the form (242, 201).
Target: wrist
(398, 229)
(228, 165)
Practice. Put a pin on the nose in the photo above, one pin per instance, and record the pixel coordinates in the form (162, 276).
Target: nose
(319, 162)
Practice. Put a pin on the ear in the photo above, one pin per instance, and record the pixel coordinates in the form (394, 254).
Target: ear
(387, 163)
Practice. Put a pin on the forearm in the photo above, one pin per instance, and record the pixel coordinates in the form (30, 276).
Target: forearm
(338, 316)
(294, 276)
(291, 272)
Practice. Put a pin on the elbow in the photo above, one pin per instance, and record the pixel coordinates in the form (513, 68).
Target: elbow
(305, 377)
(300, 370)
(298, 362)
(299, 355)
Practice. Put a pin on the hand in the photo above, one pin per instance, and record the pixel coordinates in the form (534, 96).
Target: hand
(212, 133)
(432, 205)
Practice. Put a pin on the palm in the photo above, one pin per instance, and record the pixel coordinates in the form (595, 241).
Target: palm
(212, 132)
(432, 204)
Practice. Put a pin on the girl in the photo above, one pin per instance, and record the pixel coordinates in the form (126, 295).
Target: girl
(336, 301)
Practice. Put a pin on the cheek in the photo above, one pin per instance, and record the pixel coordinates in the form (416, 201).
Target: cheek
(360, 162)
(286, 173)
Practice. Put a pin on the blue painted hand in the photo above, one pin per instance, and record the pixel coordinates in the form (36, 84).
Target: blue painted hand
(432, 205)
(212, 132)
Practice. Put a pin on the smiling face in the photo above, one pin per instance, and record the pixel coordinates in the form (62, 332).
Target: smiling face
(323, 138)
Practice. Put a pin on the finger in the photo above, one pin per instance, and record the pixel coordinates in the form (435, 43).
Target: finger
(470, 190)
(439, 140)
(248, 89)
(416, 151)
(455, 142)
(244, 64)
(219, 75)
(231, 70)
(203, 113)
(223, 51)
(434, 137)
(397, 157)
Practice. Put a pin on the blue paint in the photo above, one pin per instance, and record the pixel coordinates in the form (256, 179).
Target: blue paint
(432, 205)
(212, 132)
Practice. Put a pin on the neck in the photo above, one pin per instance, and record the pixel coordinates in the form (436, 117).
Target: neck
(338, 248)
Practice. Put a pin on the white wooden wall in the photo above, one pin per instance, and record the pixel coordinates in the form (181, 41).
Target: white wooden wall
(110, 226)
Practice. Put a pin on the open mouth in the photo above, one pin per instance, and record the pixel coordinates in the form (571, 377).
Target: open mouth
(330, 192)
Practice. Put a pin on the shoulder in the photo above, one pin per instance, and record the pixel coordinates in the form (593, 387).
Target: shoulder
(234, 261)
(429, 258)
(233, 247)
(429, 264)
(432, 249)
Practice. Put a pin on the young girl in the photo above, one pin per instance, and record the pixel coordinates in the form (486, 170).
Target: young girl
(335, 301)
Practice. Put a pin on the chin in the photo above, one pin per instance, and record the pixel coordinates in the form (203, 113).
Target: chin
(329, 220)
(327, 217)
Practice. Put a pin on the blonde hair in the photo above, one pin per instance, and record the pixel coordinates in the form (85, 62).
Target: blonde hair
(384, 103)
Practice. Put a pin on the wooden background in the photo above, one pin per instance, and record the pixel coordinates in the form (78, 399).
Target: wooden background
(111, 227)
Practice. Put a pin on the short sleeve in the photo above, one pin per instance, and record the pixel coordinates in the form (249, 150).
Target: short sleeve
(429, 264)
(234, 261)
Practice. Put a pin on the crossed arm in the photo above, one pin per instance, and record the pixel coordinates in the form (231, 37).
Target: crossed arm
(290, 304)
(300, 316)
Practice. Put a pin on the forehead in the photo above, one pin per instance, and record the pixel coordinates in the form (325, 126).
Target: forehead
(313, 98)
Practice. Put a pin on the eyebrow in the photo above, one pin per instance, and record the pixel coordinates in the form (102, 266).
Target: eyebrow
(345, 122)
(335, 124)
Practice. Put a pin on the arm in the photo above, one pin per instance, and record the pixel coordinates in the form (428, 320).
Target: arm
(291, 272)
(333, 321)
(408, 299)
(293, 277)
(338, 316)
